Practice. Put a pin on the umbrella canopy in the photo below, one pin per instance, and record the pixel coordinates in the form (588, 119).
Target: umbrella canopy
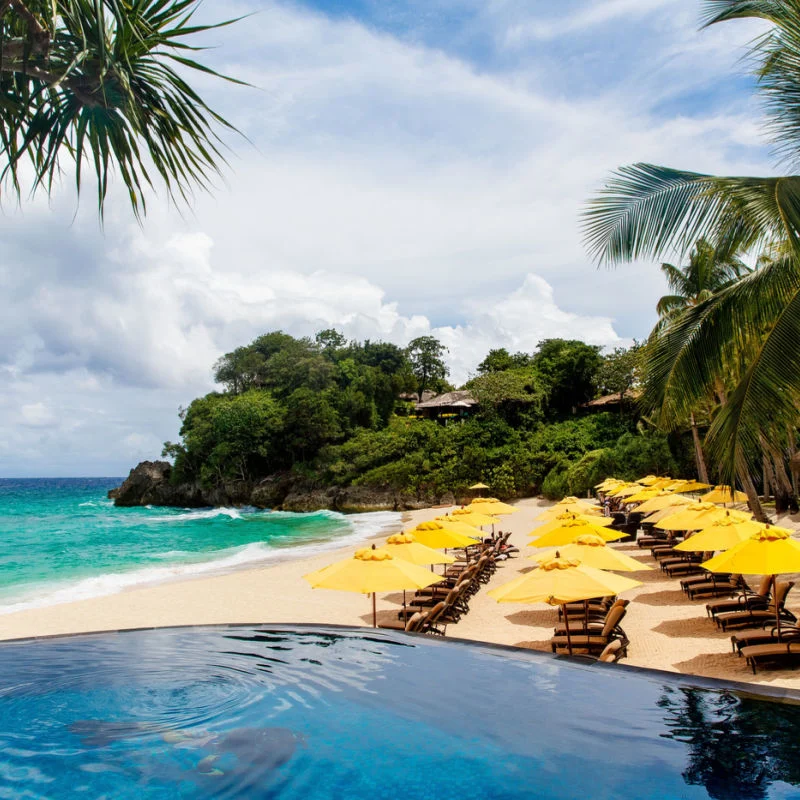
(569, 516)
(662, 500)
(372, 570)
(592, 551)
(406, 547)
(724, 494)
(438, 534)
(625, 490)
(570, 531)
(770, 551)
(642, 495)
(559, 581)
(490, 505)
(722, 535)
(469, 517)
(479, 486)
(571, 508)
(693, 486)
(648, 480)
(694, 517)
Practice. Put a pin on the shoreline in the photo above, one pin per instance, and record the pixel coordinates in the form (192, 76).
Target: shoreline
(667, 631)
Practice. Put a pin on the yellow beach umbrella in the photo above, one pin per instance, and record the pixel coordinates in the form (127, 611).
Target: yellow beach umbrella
(722, 535)
(570, 531)
(372, 570)
(648, 480)
(771, 551)
(560, 581)
(469, 517)
(664, 500)
(569, 516)
(405, 546)
(592, 551)
(489, 505)
(694, 486)
(642, 495)
(554, 511)
(625, 489)
(604, 484)
(479, 486)
(724, 494)
(438, 534)
(694, 517)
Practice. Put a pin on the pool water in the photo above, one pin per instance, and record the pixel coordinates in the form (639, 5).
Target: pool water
(249, 712)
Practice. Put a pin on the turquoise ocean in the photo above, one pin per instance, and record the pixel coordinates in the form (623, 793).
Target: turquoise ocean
(61, 539)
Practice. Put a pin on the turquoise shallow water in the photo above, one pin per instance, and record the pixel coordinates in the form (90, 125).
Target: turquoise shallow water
(62, 539)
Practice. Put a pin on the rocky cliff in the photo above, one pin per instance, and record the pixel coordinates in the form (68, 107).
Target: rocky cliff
(149, 483)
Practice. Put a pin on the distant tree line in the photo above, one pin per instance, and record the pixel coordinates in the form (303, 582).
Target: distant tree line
(340, 412)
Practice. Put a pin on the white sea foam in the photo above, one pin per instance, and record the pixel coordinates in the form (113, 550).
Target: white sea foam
(193, 515)
(361, 527)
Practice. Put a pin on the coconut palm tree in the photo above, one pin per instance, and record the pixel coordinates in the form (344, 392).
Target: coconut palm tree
(103, 83)
(752, 325)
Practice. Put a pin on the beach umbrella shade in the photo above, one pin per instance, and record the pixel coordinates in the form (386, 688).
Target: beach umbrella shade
(492, 506)
(469, 517)
(770, 551)
(592, 551)
(582, 510)
(439, 535)
(574, 501)
(693, 486)
(641, 496)
(724, 494)
(372, 570)
(479, 486)
(664, 500)
(722, 535)
(559, 581)
(694, 517)
(648, 480)
(608, 482)
(570, 531)
(405, 546)
(568, 516)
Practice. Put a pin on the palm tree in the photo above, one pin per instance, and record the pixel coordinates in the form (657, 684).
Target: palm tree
(754, 323)
(707, 272)
(103, 83)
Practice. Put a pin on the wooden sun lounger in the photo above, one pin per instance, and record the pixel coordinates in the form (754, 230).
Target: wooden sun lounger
(749, 599)
(594, 643)
(753, 617)
(766, 635)
(788, 651)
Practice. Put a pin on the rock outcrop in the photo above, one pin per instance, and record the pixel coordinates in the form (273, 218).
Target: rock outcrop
(150, 483)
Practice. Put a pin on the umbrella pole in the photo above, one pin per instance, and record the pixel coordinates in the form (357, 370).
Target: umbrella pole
(775, 600)
(405, 610)
(566, 624)
(374, 612)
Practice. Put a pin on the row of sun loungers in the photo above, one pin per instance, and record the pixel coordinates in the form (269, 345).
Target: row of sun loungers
(741, 607)
(432, 609)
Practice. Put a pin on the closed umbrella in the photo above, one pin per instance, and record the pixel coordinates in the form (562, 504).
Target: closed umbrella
(560, 581)
(372, 570)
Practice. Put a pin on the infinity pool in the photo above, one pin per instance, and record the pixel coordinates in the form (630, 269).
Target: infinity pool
(273, 712)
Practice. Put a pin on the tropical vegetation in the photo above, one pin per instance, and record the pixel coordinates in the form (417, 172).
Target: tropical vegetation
(104, 84)
(331, 412)
(727, 344)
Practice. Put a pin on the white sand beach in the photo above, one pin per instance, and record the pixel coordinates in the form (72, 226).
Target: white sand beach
(667, 631)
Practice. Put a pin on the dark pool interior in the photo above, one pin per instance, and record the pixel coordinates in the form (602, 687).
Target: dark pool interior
(274, 712)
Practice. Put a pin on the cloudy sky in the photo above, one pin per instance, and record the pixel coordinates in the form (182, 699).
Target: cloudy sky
(410, 166)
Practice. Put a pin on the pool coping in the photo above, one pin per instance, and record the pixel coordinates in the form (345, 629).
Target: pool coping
(743, 688)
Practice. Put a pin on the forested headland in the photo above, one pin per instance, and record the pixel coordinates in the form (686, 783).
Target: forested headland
(304, 423)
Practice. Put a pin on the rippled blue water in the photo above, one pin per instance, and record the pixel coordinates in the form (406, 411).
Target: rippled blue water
(330, 713)
(64, 535)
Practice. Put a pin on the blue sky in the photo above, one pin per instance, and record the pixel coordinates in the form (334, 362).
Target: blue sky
(410, 167)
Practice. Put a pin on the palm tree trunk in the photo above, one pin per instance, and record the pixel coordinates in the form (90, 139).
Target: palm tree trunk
(750, 490)
(702, 471)
(792, 453)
